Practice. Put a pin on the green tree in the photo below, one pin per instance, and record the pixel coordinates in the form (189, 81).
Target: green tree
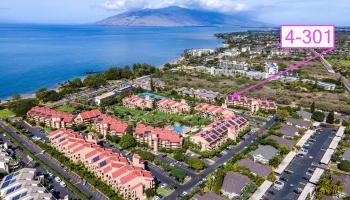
(95, 81)
(150, 192)
(179, 174)
(195, 163)
(179, 156)
(330, 118)
(21, 106)
(127, 141)
(318, 116)
(282, 114)
(344, 165)
(312, 107)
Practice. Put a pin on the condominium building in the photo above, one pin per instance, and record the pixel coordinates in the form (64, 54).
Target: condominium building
(158, 138)
(23, 185)
(87, 117)
(128, 178)
(253, 104)
(271, 68)
(4, 162)
(217, 133)
(134, 102)
(212, 111)
(51, 118)
(107, 125)
(173, 107)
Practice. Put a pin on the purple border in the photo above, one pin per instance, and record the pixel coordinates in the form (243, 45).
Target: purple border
(333, 25)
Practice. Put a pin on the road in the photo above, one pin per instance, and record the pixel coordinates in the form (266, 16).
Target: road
(300, 165)
(54, 164)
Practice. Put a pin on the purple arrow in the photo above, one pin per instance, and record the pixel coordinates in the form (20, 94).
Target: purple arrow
(235, 95)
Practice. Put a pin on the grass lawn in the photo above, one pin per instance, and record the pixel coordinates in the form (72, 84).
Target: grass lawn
(5, 113)
(164, 192)
(66, 108)
(157, 118)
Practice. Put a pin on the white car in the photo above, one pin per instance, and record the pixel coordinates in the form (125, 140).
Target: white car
(184, 194)
(57, 179)
(303, 151)
(278, 185)
(63, 184)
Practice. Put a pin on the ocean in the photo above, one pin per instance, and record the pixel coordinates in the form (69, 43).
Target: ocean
(37, 56)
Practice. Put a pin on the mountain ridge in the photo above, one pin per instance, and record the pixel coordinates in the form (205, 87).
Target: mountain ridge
(175, 16)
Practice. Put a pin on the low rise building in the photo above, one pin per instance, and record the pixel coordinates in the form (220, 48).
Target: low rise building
(129, 178)
(236, 65)
(203, 94)
(212, 111)
(299, 123)
(107, 125)
(282, 141)
(271, 68)
(144, 82)
(345, 180)
(51, 118)
(4, 162)
(158, 138)
(256, 168)
(135, 102)
(253, 104)
(325, 85)
(217, 133)
(288, 131)
(87, 117)
(200, 52)
(305, 115)
(234, 184)
(23, 184)
(173, 107)
(104, 97)
(264, 154)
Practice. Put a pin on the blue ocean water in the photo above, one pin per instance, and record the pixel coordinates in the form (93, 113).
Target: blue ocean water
(35, 56)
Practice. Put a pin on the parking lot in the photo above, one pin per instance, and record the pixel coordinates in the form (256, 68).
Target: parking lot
(294, 178)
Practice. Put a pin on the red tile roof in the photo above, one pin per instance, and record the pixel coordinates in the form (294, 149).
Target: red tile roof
(113, 124)
(158, 133)
(50, 113)
(90, 114)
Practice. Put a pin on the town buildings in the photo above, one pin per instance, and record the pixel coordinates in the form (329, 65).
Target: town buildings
(173, 107)
(128, 178)
(253, 104)
(144, 82)
(271, 68)
(217, 133)
(23, 185)
(264, 154)
(199, 52)
(51, 118)
(325, 85)
(234, 184)
(255, 168)
(202, 94)
(212, 111)
(158, 138)
(135, 102)
(87, 117)
(107, 125)
(104, 97)
(4, 162)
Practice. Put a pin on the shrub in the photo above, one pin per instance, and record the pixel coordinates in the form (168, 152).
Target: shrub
(344, 165)
(318, 116)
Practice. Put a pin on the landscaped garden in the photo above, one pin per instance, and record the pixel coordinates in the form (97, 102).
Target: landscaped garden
(157, 118)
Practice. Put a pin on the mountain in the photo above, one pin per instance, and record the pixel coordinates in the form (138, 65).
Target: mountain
(177, 16)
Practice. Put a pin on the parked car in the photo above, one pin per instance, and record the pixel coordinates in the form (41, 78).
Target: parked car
(303, 151)
(57, 179)
(285, 179)
(278, 185)
(63, 184)
(298, 190)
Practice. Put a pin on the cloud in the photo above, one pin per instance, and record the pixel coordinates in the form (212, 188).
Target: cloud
(217, 5)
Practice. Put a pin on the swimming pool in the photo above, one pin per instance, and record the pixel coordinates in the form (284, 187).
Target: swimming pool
(151, 95)
(178, 129)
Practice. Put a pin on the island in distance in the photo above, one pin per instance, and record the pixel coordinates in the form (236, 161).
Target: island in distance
(177, 16)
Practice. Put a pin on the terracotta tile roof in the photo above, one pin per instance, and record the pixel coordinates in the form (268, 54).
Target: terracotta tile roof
(90, 114)
(171, 103)
(50, 113)
(214, 110)
(113, 124)
(158, 133)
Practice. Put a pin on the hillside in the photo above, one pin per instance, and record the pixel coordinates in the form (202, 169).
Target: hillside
(176, 16)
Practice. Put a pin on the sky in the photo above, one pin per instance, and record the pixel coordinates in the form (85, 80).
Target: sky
(89, 11)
